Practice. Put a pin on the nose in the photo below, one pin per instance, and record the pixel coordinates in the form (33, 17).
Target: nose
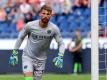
(45, 16)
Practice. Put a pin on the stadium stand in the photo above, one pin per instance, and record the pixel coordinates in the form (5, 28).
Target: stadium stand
(76, 17)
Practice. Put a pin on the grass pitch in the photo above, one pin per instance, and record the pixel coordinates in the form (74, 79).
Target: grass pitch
(52, 77)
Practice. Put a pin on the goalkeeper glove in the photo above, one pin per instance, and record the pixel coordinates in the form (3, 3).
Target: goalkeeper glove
(58, 61)
(13, 60)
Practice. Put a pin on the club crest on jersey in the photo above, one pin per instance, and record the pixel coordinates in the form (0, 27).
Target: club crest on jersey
(49, 31)
(25, 67)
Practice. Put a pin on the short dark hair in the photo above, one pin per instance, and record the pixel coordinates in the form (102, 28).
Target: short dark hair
(46, 7)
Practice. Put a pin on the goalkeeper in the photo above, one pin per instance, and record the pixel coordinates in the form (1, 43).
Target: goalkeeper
(40, 34)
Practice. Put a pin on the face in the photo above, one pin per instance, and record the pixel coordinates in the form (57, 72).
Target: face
(78, 33)
(45, 16)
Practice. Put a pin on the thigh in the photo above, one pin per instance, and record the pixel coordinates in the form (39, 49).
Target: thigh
(77, 57)
(27, 64)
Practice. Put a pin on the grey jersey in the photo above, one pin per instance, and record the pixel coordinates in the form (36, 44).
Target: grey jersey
(39, 39)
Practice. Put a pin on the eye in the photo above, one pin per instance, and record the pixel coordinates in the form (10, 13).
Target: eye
(48, 13)
(43, 13)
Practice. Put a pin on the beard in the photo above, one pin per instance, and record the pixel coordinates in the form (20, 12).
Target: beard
(45, 20)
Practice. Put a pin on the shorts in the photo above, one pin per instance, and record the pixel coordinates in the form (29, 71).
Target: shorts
(77, 57)
(32, 64)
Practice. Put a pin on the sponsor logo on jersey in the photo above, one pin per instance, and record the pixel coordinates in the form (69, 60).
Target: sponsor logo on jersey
(40, 37)
(37, 36)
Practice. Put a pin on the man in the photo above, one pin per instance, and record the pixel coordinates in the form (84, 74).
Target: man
(77, 52)
(40, 34)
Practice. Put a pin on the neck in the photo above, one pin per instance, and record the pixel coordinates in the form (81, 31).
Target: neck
(78, 36)
(43, 25)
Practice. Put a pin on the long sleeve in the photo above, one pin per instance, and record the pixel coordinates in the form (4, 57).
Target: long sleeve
(59, 40)
(21, 36)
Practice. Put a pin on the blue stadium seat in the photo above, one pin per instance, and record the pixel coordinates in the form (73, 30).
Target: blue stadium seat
(87, 20)
(83, 25)
(61, 19)
(13, 27)
(105, 4)
(102, 18)
(14, 35)
(53, 19)
(85, 34)
(71, 18)
(78, 11)
(82, 18)
(64, 27)
(73, 26)
(4, 26)
(103, 25)
(4, 35)
(101, 11)
(87, 12)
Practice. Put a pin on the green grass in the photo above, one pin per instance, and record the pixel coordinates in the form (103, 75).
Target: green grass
(51, 77)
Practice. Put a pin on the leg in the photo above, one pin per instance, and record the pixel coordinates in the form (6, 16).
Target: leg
(75, 67)
(75, 63)
(27, 67)
(80, 67)
(38, 74)
(39, 66)
(80, 62)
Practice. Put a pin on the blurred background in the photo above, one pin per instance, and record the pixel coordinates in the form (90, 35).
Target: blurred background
(68, 15)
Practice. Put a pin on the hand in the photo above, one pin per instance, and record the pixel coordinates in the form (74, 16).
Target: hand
(13, 60)
(58, 61)
(71, 50)
(68, 46)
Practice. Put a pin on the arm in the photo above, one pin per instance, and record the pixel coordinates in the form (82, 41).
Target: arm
(60, 42)
(76, 48)
(13, 60)
(21, 36)
(58, 61)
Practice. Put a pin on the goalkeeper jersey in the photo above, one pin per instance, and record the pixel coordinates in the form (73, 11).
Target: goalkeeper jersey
(39, 39)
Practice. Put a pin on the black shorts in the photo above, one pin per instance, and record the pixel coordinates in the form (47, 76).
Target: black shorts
(77, 57)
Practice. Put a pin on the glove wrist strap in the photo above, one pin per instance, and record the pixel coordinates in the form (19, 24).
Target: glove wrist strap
(60, 54)
(15, 52)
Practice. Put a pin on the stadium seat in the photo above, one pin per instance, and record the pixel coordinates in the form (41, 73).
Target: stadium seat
(13, 27)
(88, 20)
(103, 25)
(53, 19)
(82, 18)
(4, 35)
(101, 11)
(64, 27)
(87, 12)
(78, 11)
(71, 18)
(105, 4)
(14, 35)
(73, 26)
(102, 19)
(61, 19)
(4, 26)
(83, 25)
